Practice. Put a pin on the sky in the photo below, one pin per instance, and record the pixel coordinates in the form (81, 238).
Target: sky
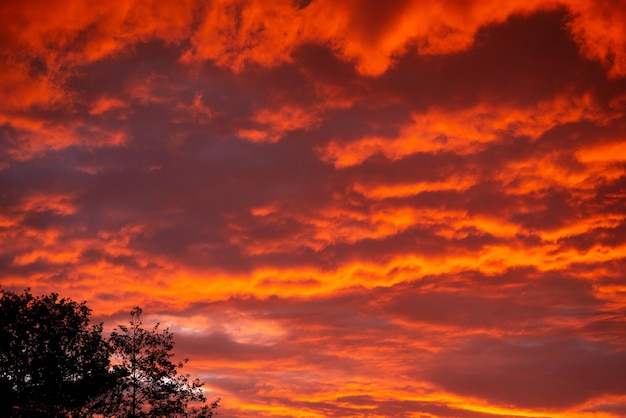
(352, 208)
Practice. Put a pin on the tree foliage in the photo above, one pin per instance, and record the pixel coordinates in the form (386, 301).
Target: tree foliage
(52, 363)
(149, 384)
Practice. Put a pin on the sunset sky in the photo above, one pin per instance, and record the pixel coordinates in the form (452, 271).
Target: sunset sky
(353, 208)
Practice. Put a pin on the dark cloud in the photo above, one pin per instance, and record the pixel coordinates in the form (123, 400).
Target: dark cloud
(522, 61)
(547, 372)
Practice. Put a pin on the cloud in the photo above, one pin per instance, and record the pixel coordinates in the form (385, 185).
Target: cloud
(373, 35)
(340, 209)
(547, 373)
(598, 29)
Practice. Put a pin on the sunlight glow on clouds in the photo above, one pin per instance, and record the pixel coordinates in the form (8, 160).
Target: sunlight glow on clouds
(354, 208)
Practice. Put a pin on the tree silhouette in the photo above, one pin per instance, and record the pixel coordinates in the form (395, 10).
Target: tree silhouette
(52, 363)
(148, 381)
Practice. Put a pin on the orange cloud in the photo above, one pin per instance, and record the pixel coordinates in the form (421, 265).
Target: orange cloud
(236, 32)
(410, 189)
(106, 104)
(466, 130)
(273, 124)
(600, 28)
(603, 153)
(33, 137)
(45, 44)
(80, 31)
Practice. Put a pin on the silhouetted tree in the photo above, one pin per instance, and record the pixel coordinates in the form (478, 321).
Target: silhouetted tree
(149, 384)
(52, 363)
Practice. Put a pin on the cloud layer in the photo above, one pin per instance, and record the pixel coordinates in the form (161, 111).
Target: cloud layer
(355, 209)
